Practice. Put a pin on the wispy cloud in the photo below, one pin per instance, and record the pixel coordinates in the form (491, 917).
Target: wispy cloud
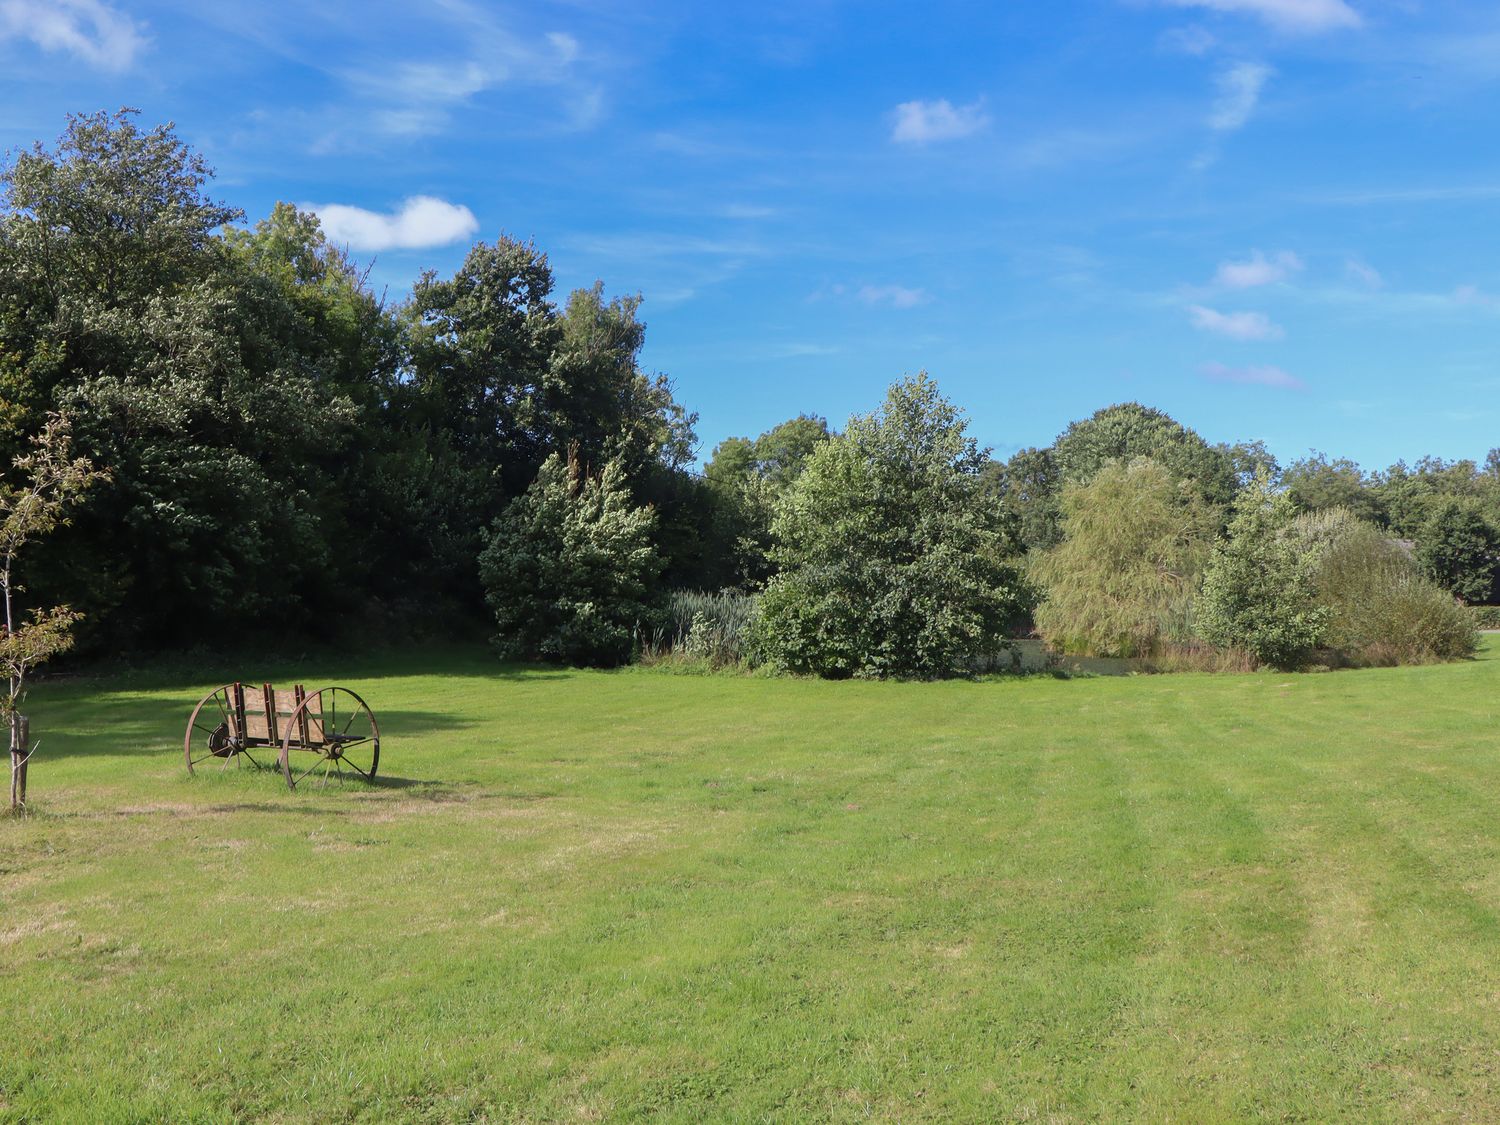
(1296, 17)
(1235, 325)
(1190, 40)
(1364, 273)
(804, 351)
(412, 97)
(892, 296)
(1356, 197)
(421, 221)
(87, 29)
(1257, 270)
(1239, 92)
(920, 123)
(1259, 376)
(748, 211)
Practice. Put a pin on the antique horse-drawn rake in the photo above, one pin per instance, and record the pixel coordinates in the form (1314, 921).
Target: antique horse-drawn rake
(333, 725)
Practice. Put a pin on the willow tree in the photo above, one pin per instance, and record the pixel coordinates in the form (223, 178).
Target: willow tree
(1121, 582)
(50, 479)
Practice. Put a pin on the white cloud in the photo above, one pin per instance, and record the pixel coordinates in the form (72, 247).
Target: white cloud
(1297, 17)
(1257, 270)
(1190, 40)
(1252, 376)
(1236, 325)
(894, 296)
(422, 221)
(1239, 92)
(748, 211)
(1364, 273)
(417, 97)
(917, 123)
(89, 29)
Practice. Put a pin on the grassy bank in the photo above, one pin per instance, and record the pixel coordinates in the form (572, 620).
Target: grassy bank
(611, 895)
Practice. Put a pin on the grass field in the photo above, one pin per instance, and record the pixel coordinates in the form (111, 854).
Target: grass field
(598, 896)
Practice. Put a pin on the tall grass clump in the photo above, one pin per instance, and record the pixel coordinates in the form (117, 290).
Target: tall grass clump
(709, 630)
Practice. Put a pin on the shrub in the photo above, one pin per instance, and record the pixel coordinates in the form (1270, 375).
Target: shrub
(1257, 593)
(1485, 616)
(569, 566)
(1121, 582)
(891, 563)
(1381, 611)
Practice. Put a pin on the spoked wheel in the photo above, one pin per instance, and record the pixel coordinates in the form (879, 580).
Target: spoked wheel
(332, 733)
(214, 737)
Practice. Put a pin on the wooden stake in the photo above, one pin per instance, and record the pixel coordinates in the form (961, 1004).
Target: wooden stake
(20, 754)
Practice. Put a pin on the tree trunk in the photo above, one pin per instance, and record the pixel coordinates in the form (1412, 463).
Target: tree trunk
(20, 750)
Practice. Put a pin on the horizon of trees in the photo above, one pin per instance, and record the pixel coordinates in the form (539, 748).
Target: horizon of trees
(290, 456)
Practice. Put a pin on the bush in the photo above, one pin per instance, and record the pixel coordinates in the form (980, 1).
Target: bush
(1485, 616)
(569, 568)
(891, 562)
(1257, 593)
(1381, 611)
(1121, 582)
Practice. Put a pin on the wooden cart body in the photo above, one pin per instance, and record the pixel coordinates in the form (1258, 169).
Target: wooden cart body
(334, 724)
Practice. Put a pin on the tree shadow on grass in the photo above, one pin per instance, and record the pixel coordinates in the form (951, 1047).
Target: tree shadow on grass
(200, 672)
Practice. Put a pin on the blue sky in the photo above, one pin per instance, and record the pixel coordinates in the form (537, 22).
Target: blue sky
(1272, 218)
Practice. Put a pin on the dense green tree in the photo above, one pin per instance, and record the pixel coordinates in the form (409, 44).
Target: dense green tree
(746, 480)
(1257, 591)
(890, 561)
(1121, 581)
(1026, 493)
(214, 399)
(1127, 431)
(570, 568)
(1460, 551)
(1316, 484)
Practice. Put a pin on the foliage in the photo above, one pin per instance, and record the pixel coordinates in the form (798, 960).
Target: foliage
(1380, 610)
(1257, 593)
(1409, 494)
(1121, 582)
(569, 568)
(746, 480)
(1485, 616)
(1128, 431)
(1460, 551)
(53, 479)
(713, 629)
(890, 561)
(1316, 484)
(1025, 491)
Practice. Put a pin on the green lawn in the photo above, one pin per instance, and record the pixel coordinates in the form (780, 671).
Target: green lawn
(602, 896)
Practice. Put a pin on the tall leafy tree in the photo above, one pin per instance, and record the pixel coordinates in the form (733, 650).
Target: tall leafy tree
(191, 374)
(1121, 581)
(1258, 589)
(1317, 484)
(570, 568)
(1460, 551)
(1128, 431)
(890, 561)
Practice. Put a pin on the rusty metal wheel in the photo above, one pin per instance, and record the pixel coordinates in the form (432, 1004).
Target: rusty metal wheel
(332, 733)
(213, 731)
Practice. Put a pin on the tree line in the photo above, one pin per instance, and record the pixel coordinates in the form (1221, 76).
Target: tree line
(284, 453)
